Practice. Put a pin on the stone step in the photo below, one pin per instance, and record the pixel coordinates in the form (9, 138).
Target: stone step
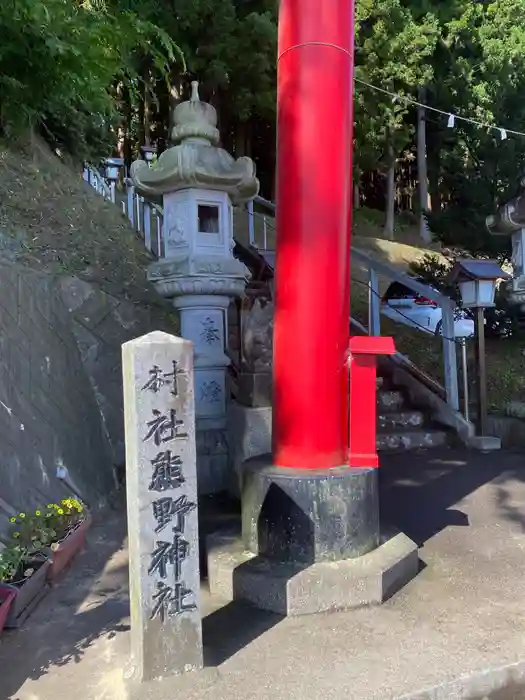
(411, 440)
(390, 400)
(399, 420)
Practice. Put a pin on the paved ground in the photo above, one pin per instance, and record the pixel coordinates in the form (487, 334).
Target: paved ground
(464, 613)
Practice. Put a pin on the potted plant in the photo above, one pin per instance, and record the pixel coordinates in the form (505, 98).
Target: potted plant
(24, 574)
(69, 521)
(7, 595)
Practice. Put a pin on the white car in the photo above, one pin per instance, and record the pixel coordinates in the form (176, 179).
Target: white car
(402, 304)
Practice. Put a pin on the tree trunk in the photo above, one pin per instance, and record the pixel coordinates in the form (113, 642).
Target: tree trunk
(242, 140)
(357, 194)
(390, 195)
(424, 231)
(176, 95)
(147, 109)
(434, 169)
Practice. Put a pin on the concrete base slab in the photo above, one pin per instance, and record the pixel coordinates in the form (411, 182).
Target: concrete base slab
(292, 590)
(484, 443)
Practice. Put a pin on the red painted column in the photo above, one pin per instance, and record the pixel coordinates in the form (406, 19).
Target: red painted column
(314, 199)
(364, 352)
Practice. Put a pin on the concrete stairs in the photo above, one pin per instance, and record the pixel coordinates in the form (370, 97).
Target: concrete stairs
(401, 427)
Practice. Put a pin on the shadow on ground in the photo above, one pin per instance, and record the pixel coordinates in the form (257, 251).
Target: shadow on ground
(231, 628)
(419, 490)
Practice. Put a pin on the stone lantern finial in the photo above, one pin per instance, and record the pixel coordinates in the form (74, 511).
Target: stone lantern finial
(195, 159)
(194, 120)
(195, 91)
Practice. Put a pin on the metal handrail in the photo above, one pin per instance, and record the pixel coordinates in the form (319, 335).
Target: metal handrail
(375, 269)
(97, 181)
(407, 364)
(398, 276)
(266, 204)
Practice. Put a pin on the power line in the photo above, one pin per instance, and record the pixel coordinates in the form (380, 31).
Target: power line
(450, 115)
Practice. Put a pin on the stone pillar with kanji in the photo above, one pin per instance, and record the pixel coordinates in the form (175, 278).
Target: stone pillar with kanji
(161, 482)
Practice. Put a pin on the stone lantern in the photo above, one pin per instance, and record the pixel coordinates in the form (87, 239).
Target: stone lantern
(198, 184)
(510, 221)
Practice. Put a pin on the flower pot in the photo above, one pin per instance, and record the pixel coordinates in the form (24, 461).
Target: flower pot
(28, 593)
(67, 550)
(7, 595)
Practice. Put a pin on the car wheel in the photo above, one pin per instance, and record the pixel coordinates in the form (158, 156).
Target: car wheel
(439, 328)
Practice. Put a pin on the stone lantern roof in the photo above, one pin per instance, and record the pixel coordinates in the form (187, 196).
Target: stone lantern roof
(195, 160)
(510, 216)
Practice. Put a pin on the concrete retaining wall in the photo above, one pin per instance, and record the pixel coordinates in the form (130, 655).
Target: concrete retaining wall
(61, 386)
(49, 416)
(100, 324)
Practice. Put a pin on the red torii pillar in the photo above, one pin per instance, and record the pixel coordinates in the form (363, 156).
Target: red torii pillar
(314, 208)
(308, 502)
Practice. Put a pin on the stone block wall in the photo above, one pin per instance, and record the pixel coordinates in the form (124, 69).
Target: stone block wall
(49, 416)
(100, 324)
(61, 402)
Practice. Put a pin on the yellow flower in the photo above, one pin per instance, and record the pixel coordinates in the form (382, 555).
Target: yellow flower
(16, 534)
(38, 513)
(12, 520)
(60, 511)
(22, 515)
(49, 505)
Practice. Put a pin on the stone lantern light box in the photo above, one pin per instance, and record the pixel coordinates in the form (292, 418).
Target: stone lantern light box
(477, 281)
(200, 219)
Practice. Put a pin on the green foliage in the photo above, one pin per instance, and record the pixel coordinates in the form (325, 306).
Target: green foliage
(479, 72)
(62, 517)
(393, 52)
(470, 59)
(230, 46)
(32, 531)
(60, 61)
(432, 269)
(35, 533)
(86, 72)
(12, 559)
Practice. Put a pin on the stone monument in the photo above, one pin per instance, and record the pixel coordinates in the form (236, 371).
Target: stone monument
(166, 636)
(199, 183)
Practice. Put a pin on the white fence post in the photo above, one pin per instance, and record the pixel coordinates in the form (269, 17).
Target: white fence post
(147, 225)
(449, 354)
(138, 224)
(130, 198)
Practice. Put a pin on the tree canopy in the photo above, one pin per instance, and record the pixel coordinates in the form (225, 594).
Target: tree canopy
(96, 75)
